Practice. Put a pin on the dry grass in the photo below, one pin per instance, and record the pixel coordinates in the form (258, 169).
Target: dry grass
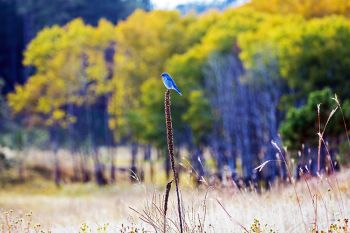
(323, 204)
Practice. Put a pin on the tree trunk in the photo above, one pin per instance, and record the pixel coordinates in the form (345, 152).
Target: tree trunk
(147, 157)
(152, 170)
(54, 148)
(133, 168)
(113, 168)
(75, 177)
(57, 173)
(99, 169)
(85, 175)
(197, 162)
(20, 171)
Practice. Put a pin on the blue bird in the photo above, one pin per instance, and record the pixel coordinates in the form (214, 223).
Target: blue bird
(169, 82)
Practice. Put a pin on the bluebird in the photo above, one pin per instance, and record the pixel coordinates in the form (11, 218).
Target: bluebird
(169, 82)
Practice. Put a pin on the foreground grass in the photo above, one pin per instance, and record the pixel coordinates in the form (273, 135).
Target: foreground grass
(325, 205)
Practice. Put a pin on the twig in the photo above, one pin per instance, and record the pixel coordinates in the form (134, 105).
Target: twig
(231, 218)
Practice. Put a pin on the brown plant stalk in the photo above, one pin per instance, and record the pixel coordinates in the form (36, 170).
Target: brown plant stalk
(170, 140)
(166, 198)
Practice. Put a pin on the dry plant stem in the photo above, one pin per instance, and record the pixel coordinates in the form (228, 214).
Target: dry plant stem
(292, 182)
(341, 208)
(170, 140)
(166, 198)
(314, 203)
(231, 218)
(344, 121)
(319, 140)
(320, 134)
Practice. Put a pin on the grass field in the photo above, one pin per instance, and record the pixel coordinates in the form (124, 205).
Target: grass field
(315, 204)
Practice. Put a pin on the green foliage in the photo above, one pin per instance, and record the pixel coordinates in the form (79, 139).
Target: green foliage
(140, 61)
(323, 57)
(311, 54)
(199, 116)
(152, 113)
(187, 68)
(301, 124)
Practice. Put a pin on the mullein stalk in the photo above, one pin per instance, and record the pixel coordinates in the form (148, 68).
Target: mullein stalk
(166, 199)
(170, 140)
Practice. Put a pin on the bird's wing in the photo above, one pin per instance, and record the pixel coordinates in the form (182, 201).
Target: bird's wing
(174, 84)
(168, 82)
(176, 88)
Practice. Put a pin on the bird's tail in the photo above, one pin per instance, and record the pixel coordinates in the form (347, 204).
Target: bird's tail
(177, 90)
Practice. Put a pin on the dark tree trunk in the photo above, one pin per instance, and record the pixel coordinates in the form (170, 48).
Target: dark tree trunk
(133, 168)
(113, 168)
(147, 152)
(248, 129)
(151, 170)
(99, 169)
(147, 157)
(75, 177)
(197, 161)
(54, 148)
(57, 173)
(85, 175)
(20, 170)
(72, 143)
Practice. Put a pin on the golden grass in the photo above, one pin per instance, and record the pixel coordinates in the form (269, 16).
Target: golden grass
(68, 208)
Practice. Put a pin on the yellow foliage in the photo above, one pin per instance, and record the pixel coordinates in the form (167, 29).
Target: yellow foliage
(66, 59)
(142, 49)
(58, 114)
(306, 8)
(77, 63)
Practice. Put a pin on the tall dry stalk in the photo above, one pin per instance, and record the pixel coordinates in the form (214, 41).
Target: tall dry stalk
(166, 198)
(289, 173)
(170, 140)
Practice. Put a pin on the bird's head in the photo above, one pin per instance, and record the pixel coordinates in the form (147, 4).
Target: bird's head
(165, 75)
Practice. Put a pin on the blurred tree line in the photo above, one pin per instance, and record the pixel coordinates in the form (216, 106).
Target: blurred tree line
(23, 19)
(249, 75)
(203, 6)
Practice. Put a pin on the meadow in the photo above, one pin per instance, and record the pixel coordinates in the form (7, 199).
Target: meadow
(313, 204)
